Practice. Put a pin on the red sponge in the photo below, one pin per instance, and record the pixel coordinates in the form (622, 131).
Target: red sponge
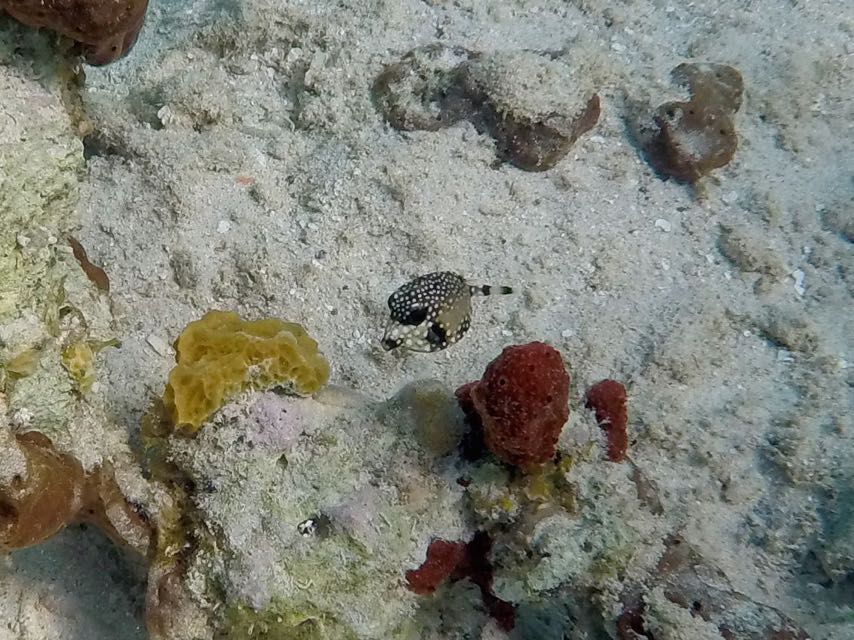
(608, 399)
(442, 558)
(521, 403)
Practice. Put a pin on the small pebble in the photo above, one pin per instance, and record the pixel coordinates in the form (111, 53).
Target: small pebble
(730, 197)
(158, 344)
(224, 226)
(798, 275)
(784, 356)
(566, 333)
(664, 225)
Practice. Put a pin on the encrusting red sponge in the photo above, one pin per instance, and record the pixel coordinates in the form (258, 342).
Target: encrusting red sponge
(458, 561)
(521, 403)
(608, 400)
(442, 558)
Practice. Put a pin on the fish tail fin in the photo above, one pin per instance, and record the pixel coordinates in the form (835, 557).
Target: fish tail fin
(489, 290)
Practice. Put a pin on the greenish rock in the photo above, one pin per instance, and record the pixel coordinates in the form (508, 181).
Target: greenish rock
(279, 622)
(41, 161)
(607, 535)
(320, 504)
(46, 301)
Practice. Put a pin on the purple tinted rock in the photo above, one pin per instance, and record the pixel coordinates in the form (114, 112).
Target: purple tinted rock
(356, 513)
(275, 422)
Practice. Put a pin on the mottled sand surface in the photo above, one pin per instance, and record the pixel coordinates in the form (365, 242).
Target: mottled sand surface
(238, 162)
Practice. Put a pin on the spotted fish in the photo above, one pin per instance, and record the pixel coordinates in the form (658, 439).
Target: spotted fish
(432, 311)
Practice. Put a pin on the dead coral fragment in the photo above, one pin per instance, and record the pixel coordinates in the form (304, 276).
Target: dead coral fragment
(51, 490)
(521, 403)
(434, 87)
(107, 29)
(96, 274)
(608, 400)
(221, 355)
(687, 140)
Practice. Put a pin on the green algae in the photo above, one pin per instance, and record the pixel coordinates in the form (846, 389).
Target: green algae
(280, 622)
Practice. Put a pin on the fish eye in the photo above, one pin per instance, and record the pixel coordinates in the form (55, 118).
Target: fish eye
(413, 316)
(436, 335)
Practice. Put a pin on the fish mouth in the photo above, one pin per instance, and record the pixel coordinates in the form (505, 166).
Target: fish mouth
(389, 344)
(391, 339)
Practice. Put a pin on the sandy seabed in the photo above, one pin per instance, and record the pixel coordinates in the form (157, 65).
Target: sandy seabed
(238, 162)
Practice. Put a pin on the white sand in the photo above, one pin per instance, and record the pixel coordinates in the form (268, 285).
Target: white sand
(737, 363)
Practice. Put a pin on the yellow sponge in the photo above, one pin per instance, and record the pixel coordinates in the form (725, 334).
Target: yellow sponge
(221, 355)
(78, 359)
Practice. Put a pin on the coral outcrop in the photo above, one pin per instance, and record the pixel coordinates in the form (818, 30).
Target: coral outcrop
(107, 29)
(322, 507)
(534, 124)
(54, 322)
(64, 459)
(221, 355)
(687, 139)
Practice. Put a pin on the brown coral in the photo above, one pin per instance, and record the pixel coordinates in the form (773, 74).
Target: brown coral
(434, 87)
(107, 29)
(51, 490)
(688, 139)
(538, 145)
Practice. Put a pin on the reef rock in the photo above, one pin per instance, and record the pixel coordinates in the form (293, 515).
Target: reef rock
(65, 459)
(301, 517)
